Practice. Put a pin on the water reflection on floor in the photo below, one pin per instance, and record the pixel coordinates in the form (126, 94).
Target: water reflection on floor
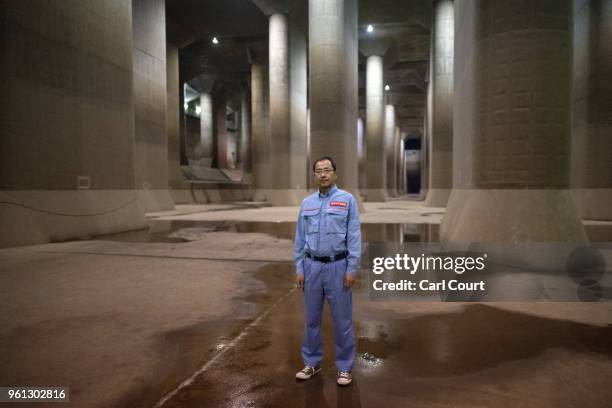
(177, 231)
(184, 231)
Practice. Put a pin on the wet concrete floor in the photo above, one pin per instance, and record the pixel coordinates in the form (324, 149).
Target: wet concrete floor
(473, 356)
(425, 355)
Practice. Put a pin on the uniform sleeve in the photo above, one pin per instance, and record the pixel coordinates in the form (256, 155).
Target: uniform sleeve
(299, 250)
(353, 238)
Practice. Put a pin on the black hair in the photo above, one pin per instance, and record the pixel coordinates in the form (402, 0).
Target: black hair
(320, 159)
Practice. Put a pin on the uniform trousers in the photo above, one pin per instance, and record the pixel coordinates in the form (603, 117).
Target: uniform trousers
(325, 281)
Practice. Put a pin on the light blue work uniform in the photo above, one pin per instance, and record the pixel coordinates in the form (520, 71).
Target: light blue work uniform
(328, 225)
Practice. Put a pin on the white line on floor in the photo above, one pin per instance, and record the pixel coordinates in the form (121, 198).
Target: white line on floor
(229, 346)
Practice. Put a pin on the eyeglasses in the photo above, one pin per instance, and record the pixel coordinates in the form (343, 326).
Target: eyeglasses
(318, 172)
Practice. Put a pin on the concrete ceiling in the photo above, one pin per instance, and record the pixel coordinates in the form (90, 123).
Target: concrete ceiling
(240, 27)
(401, 34)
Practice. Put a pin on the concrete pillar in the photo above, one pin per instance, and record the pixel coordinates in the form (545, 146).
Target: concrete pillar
(425, 147)
(67, 121)
(397, 160)
(376, 172)
(441, 137)
(298, 82)
(206, 127)
(361, 154)
(245, 133)
(149, 87)
(390, 146)
(260, 142)
(309, 183)
(183, 160)
(280, 137)
(512, 150)
(173, 110)
(288, 104)
(591, 176)
(333, 86)
(221, 138)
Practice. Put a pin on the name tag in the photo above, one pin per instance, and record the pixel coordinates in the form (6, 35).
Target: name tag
(338, 204)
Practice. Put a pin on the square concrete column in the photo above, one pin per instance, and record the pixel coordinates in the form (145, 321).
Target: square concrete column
(511, 125)
(390, 150)
(361, 153)
(287, 89)
(425, 144)
(149, 87)
(245, 133)
(175, 176)
(221, 137)
(280, 136)
(333, 86)
(591, 176)
(298, 101)
(260, 139)
(206, 127)
(376, 171)
(397, 160)
(441, 104)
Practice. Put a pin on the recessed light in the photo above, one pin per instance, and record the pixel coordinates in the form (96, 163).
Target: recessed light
(215, 40)
(387, 88)
(370, 28)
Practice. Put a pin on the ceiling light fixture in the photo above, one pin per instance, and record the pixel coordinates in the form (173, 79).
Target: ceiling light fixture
(215, 40)
(387, 88)
(370, 28)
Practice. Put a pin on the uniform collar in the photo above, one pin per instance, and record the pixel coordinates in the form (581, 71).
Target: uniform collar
(331, 191)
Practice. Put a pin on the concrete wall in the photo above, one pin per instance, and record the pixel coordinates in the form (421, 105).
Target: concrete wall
(66, 106)
(67, 110)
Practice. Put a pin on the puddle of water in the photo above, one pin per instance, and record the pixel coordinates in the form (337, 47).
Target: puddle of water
(185, 231)
(476, 338)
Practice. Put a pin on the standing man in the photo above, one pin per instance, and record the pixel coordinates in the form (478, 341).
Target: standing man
(327, 252)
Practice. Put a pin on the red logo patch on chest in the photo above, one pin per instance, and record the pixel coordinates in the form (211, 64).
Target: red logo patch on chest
(338, 204)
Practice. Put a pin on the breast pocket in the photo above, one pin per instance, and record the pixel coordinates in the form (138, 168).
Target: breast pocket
(336, 221)
(311, 221)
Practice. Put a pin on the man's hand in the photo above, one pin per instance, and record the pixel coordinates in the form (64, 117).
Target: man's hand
(349, 280)
(299, 281)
